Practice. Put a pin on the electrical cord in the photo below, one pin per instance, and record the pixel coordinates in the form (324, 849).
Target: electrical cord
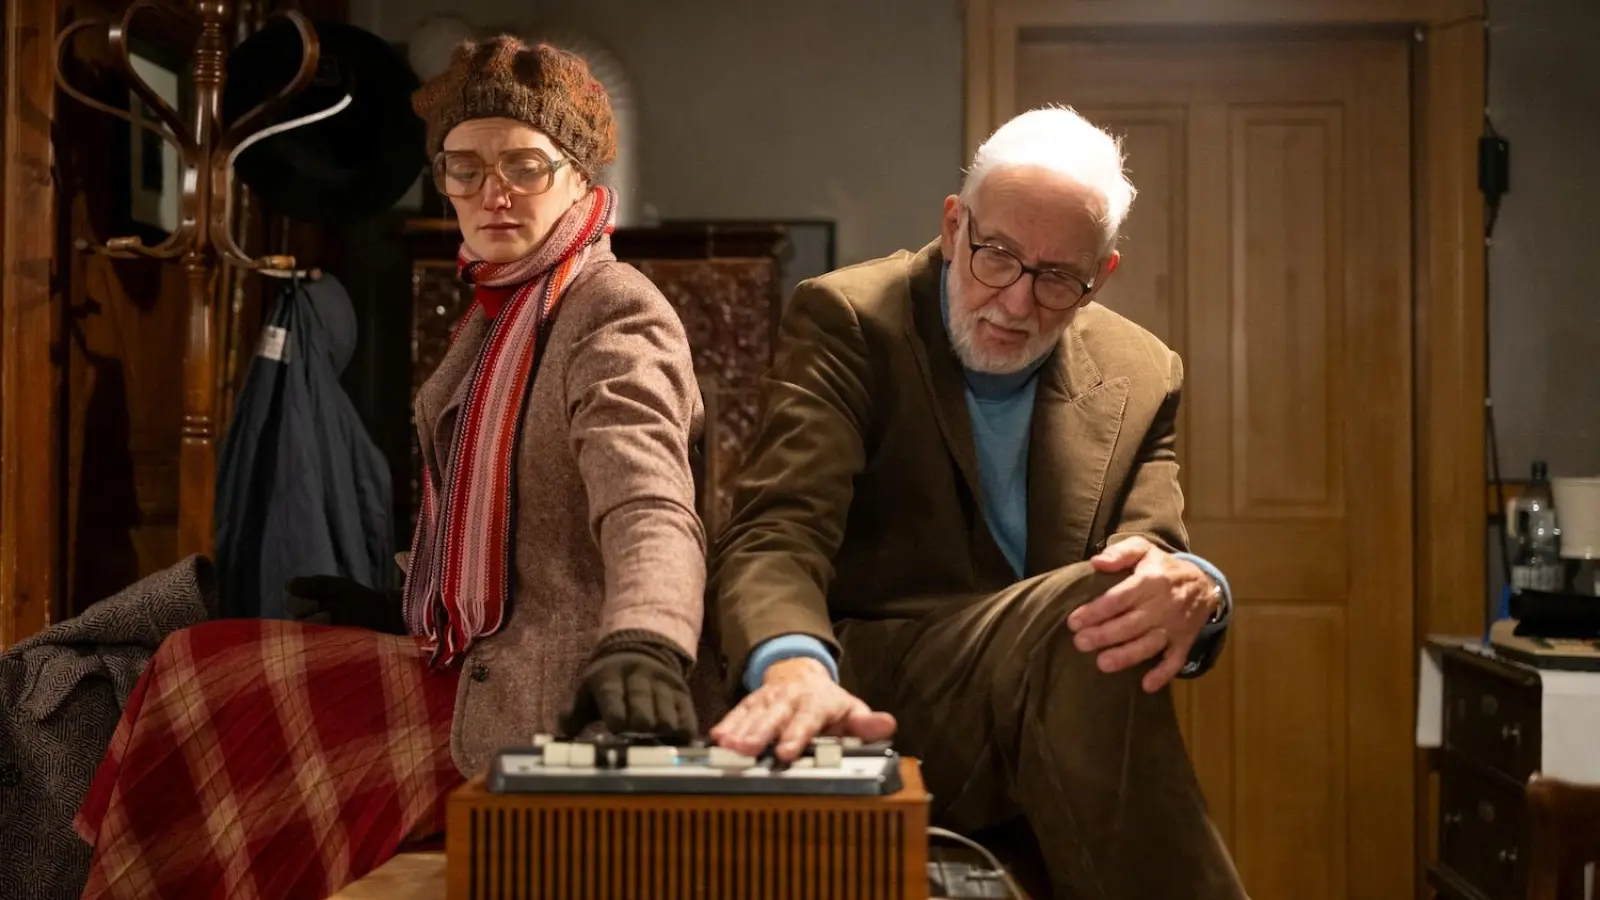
(1011, 886)
(1491, 216)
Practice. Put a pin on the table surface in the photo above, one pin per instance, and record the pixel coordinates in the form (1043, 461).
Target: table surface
(409, 876)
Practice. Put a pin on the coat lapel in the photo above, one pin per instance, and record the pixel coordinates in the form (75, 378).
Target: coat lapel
(941, 371)
(446, 389)
(1077, 417)
(946, 387)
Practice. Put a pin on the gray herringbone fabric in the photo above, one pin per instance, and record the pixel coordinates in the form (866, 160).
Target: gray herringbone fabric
(62, 692)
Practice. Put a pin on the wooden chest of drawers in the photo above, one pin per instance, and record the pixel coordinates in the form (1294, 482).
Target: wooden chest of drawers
(1490, 745)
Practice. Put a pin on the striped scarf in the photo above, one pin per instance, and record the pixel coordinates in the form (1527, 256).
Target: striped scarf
(458, 584)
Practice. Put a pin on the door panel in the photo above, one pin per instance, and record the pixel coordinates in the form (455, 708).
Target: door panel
(1270, 245)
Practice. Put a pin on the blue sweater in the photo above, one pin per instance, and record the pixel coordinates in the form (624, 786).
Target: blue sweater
(1001, 407)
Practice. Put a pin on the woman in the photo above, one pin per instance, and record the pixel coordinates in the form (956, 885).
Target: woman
(557, 560)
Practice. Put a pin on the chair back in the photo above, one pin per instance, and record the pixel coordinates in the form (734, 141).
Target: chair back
(1564, 837)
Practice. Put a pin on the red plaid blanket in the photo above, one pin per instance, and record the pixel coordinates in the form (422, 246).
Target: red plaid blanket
(267, 760)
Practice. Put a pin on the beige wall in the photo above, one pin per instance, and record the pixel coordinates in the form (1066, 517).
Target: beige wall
(842, 109)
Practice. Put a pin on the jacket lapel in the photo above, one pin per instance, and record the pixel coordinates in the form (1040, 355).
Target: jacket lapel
(941, 371)
(446, 389)
(946, 387)
(1077, 417)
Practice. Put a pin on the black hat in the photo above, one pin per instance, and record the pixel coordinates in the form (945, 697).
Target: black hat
(349, 166)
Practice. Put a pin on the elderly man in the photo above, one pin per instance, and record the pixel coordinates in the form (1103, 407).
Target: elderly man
(962, 510)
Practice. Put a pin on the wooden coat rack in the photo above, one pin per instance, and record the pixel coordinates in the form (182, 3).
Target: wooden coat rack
(203, 238)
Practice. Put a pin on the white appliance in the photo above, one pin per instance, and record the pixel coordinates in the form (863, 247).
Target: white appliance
(1577, 502)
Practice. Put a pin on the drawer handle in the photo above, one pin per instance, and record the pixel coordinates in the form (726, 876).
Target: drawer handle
(1452, 818)
(1511, 732)
(1489, 705)
(1508, 857)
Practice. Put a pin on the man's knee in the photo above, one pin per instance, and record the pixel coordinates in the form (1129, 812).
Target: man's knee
(1041, 661)
(1040, 605)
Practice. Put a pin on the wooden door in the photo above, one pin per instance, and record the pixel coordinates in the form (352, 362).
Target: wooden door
(1270, 245)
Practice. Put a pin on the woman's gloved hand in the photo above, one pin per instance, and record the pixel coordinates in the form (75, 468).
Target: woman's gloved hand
(636, 682)
(334, 600)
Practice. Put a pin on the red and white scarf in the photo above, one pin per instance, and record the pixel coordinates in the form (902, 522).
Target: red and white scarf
(458, 584)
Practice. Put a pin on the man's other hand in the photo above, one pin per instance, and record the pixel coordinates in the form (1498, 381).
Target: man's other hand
(1158, 610)
(797, 701)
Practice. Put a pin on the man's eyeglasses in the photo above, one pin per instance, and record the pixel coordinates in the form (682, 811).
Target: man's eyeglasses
(999, 268)
(461, 173)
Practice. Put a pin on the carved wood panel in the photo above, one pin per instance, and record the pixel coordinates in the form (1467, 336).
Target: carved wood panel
(726, 308)
(725, 287)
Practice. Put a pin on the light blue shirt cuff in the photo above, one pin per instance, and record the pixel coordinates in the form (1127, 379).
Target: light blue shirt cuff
(1225, 613)
(786, 646)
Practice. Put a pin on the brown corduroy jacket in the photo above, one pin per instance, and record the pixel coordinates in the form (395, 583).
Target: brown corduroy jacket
(607, 537)
(859, 497)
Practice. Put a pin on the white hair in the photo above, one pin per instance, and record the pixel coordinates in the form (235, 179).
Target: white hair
(1057, 139)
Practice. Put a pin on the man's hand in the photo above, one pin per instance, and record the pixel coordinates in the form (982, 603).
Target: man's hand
(1159, 609)
(797, 701)
(637, 682)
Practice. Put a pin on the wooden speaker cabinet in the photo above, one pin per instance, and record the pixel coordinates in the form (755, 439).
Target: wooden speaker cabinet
(682, 846)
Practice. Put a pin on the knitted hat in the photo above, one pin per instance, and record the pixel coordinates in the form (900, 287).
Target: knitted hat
(542, 86)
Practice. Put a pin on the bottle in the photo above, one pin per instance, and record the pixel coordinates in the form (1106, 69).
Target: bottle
(1537, 565)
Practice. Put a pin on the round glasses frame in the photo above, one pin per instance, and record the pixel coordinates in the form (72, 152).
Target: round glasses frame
(1075, 290)
(525, 172)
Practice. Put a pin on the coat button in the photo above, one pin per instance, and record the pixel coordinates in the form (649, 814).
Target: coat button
(10, 776)
(480, 672)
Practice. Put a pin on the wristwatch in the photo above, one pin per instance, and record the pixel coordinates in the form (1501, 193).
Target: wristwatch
(1224, 607)
(1208, 646)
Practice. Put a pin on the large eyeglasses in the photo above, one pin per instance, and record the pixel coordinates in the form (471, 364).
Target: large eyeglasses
(461, 173)
(999, 268)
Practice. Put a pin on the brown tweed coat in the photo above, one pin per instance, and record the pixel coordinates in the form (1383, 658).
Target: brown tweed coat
(607, 537)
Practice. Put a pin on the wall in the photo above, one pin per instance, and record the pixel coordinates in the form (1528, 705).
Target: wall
(1544, 271)
(829, 108)
(1544, 266)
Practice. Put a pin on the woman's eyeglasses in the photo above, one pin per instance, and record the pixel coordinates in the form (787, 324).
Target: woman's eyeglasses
(462, 173)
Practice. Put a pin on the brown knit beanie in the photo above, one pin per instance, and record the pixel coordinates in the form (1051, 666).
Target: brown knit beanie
(542, 86)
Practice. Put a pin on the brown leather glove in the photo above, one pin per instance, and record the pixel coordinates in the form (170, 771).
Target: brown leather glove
(636, 682)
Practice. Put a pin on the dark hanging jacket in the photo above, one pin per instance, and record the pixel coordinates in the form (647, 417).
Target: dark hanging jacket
(301, 487)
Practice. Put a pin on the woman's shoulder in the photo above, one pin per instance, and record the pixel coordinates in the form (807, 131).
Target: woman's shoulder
(608, 290)
(613, 315)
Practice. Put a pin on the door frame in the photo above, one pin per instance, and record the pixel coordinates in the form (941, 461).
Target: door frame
(30, 326)
(1449, 301)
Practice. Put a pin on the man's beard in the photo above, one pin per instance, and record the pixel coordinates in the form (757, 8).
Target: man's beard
(978, 358)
